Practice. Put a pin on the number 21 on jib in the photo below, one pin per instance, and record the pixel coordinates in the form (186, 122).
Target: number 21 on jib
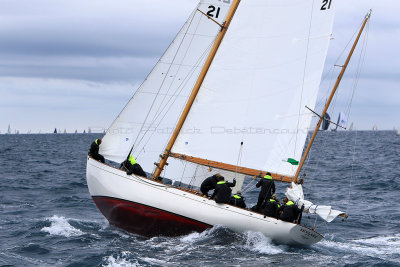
(326, 4)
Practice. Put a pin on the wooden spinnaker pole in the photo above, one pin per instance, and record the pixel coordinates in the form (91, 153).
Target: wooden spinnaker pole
(339, 79)
(210, 58)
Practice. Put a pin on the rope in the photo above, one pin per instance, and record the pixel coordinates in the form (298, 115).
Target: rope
(239, 159)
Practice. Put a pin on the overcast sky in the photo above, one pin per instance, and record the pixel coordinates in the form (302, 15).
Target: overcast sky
(74, 64)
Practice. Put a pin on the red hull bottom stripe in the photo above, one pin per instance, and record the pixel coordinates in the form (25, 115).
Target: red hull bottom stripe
(145, 220)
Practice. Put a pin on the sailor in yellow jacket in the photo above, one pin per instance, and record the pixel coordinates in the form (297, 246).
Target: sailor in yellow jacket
(132, 167)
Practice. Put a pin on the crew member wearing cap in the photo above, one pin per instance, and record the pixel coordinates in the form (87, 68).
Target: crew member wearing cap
(94, 150)
(271, 207)
(237, 200)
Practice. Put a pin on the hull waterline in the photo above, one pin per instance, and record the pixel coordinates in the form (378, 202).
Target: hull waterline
(148, 208)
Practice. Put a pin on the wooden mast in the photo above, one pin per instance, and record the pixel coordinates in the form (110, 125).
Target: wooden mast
(296, 177)
(214, 49)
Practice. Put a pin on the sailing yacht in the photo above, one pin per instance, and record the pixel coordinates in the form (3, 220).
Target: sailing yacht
(228, 96)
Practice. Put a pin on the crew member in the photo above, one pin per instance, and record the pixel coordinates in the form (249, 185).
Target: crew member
(267, 189)
(237, 200)
(290, 211)
(209, 184)
(94, 150)
(132, 167)
(271, 207)
(223, 191)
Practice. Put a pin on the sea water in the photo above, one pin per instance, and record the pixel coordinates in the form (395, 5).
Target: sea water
(48, 218)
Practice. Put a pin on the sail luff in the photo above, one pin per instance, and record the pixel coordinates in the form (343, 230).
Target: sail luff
(230, 167)
(220, 36)
(339, 79)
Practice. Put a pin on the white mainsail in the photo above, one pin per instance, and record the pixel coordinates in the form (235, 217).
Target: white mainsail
(267, 69)
(148, 119)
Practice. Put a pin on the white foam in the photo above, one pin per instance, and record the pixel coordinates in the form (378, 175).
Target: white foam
(381, 246)
(60, 226)
(120, 261)
(197, 236)
(260, 243)
(155, 261)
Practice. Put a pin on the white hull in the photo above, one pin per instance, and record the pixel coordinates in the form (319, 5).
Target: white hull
(149, 197)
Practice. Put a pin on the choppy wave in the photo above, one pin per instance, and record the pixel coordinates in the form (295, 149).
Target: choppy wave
(123, 260)
(61, 227)
(384, 247)
(49, 219)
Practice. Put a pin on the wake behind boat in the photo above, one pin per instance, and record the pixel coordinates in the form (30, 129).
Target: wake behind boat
(237, 86)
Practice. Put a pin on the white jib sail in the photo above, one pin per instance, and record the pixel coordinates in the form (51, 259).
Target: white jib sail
(295, 194)
(150, 116)
(266, 71)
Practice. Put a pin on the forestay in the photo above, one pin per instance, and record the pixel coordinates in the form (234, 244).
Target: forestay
(267, 69)
(150, 116)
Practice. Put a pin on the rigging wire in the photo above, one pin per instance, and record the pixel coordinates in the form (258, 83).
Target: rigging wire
(162, 83)
(333, 106)
(173, 98)
(304, 75)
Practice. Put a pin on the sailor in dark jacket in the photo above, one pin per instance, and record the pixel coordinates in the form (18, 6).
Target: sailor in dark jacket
(290, 212)
(223, 191)
(237, 200)
(94, 150)
(132, 167)
(209, 184)
(267, 189)
(271, 207)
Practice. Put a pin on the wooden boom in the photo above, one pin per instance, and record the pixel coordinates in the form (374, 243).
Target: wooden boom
(231, 168)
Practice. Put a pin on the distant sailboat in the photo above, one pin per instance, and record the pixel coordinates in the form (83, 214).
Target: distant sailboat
(9, 129)
(84, 131)
(398, 131)
(351, 127)
(90, 130)
(76, 131)
(55, 130)
(65, 131)
(326, 122)
(341, 121)
(374, 128)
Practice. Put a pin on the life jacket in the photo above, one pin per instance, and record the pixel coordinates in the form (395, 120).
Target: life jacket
(96, 141)
(274, 201)
(289, 203)
(221, 182)
(268, 177)
(237, 196)
(132, 160)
